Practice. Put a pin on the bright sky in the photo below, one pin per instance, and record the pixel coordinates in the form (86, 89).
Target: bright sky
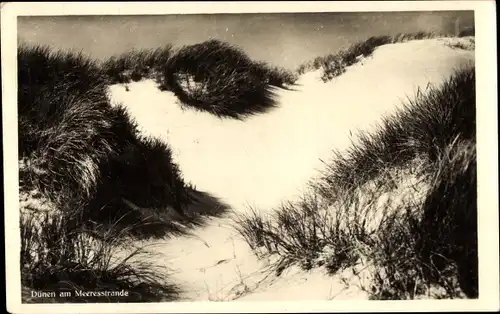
(281, 39)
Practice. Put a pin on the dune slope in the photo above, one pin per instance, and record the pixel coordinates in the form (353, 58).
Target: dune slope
(269, 158)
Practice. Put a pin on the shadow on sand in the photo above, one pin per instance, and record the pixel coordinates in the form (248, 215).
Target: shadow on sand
(154, 222)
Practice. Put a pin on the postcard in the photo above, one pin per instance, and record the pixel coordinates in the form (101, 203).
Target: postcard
(250, 157)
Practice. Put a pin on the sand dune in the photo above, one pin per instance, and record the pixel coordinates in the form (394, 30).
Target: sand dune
(269, 158)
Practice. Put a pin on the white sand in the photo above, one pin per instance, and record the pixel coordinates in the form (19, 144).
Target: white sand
(268, 158)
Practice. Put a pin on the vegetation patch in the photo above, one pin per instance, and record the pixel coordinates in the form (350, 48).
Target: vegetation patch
(92, 181)
(136, 65)
(211, 76)
(219, 78)
(398, 209)
(336, 64)
(71, 263)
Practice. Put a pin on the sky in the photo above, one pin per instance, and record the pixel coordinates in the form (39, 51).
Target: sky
(282, 39)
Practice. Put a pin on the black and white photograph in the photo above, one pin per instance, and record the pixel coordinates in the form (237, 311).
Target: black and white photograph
(175, 157)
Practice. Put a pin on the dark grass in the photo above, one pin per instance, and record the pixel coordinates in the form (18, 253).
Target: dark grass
(216, 77)
(436, 247)
(422, 164)
(45, 74)
(448, 230)
(296, 233)
(79, 148)
(336, 64)
(211, 76)
(87, 160)
(65, 123)
(136, 65)
(423, 127)
(59, 255)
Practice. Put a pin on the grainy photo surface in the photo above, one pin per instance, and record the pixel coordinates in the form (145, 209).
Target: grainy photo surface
(277, 156)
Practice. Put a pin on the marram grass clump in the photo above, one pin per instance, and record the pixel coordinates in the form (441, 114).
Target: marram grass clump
(398, 209)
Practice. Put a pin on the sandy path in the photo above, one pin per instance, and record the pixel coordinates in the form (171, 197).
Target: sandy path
(269, 158)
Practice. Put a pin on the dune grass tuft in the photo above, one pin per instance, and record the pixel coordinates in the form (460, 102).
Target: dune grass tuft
(99, 178)
(425, 125)
(398, 208)
(58, 254)
(216, 77)
(211, 76)
(136, 65)
(335, 64)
